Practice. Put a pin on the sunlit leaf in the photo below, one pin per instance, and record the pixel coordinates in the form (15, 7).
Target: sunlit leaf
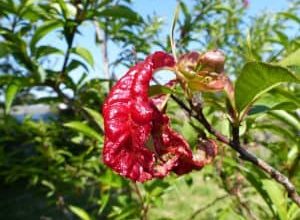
(50, 186)
(288, 106)
(291, 60)
(96, 116)
(85, 129)
(43, 30)
(42, 74)
(255, 177)
(74, 64)
(290, 16)
(224, 8)
(69, 10)
(47, 50)
(255, 79)
(293, 212)
(81, 213)
(10, 94)
(120, 11)
(285, 106)
(104, 201)
(85, 54)
(277, 196)
(287, 118)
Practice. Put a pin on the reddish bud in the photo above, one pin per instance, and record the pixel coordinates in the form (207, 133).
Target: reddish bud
(203, 72)
(213, 61)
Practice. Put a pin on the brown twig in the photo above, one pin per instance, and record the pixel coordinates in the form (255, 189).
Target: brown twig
(198, 211)
(196, 112)
(102, 39)
(144, 206)
(246, 207)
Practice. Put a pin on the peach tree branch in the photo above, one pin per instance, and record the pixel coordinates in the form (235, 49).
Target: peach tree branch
(197, 112)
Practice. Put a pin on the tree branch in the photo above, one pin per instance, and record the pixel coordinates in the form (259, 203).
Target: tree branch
(102, 39)
(196, 112)
(144, 205)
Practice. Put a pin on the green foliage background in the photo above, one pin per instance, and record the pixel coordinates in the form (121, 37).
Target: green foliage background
(51, 168)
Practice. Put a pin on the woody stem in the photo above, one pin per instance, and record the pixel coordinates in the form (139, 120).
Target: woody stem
(197, 112)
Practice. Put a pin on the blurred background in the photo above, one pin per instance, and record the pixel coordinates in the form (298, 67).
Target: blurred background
(58, 61)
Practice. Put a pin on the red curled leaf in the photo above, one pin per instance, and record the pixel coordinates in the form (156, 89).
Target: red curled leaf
(172, 146)
(139, 143)
(128, 120)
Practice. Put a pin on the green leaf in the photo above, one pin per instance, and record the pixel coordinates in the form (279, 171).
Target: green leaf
(25, 6)
(42, 31)
(229, 10)
(6, 78)
(33, 13)
(282, 37)
(50, 186)
(276, 99)
(120, 11)
(84, 128)
(96, 116)
(18, 49)
(85, 54)
(286, 106)
(255, 177)
(42, 74)
(159, 89)
(257, 78)
(291, 60)
(10, 94)
(282, 131)
(104, 202)
(290, 16)
(4, 49)
(256, 109)
(47, 50)
(68, 10)
(82, 214)
(277, 196)
(74, 64)
(228, 213)
(294, 212)
(189, 133)
(185, 11)
(287, 118)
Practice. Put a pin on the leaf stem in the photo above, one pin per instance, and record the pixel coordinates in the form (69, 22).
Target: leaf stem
(172, 41)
